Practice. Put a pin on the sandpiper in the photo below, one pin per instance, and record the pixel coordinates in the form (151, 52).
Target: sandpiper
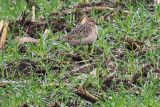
(83, 34)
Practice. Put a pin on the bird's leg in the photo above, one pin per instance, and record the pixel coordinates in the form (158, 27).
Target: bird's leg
(75, 49)
(74, 46)
(90, 49)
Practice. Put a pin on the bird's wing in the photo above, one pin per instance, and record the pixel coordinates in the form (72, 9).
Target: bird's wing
(80, 31)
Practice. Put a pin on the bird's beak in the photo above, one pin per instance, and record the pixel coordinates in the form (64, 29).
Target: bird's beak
(97, 23)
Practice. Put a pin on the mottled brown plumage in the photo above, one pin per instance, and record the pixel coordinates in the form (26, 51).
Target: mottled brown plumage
(83, 34)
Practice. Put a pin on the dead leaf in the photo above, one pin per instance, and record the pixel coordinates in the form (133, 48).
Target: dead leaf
(93, 73)
(23, 49)
(27, 39)
(46, 32)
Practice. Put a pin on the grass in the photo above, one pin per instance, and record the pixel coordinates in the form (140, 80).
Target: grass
(141, 25)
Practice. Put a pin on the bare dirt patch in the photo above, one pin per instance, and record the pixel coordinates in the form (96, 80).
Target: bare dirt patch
(80, 63)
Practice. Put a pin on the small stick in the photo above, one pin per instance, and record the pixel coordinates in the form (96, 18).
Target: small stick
(4, 35)
(5, 82)
(80, 68)
(1, 25)
(84, 20)
(37, 22)
(33, 13)
(46, 34)
(85, 95)
(13, 82)
(103, 8)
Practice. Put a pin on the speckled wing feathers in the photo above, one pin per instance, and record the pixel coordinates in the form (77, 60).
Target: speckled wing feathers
(82, 30)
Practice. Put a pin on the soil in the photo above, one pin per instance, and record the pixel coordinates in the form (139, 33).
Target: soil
(22, 70)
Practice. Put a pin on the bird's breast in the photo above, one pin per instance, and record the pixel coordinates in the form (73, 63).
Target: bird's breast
(91, 37)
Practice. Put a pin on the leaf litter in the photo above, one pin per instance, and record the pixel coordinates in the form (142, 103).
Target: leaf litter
(80, 63)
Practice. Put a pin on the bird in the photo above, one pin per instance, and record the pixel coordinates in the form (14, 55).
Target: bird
(84, 34)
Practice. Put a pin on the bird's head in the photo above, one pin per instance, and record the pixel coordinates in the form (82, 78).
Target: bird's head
(91, 21)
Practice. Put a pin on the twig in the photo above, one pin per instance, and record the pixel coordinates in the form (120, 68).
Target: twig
(1, 25)
(13, 82)
(33, 13)
(102, 8)
(84, 20)
(85, 95)
(5, 82)
(82, 67)
(37, 22)
(4, 35)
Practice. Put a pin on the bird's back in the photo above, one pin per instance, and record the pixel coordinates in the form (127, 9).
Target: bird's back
(80, 31)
